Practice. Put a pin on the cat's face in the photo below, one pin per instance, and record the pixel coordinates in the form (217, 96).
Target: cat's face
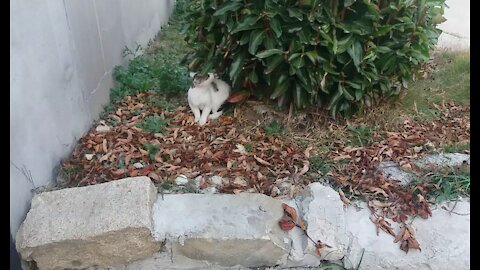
(198, 79)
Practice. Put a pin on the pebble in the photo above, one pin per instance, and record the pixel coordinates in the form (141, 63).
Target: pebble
(138, 165)
(102, 128)
(181, 180)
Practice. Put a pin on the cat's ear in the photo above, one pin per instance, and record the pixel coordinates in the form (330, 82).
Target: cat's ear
(192, 74)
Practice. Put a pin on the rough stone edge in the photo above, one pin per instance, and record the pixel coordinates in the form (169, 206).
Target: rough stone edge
(31, 264)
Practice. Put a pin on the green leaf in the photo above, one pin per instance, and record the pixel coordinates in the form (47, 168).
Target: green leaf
(335, 98)
(326, 36)
(382, 30)
(300, 73)
(330, 69)
(348, 3)
(345, 43)
(383, 49)
(236, 66)
(245, 38)
(298, 97)
(358, 94)
(294, 29)
(354, 85)
(273, 63)
(248, 23)
(386, 62)
(356, 52)
(256, 39)
(313, 56)
(267, 53)
(280, 90)
(335, 43)
(293, 56)
(252, 76)
(295, 13)
(298, 62)
(207, 68)
(346, 93)
(276, 27)
(232, 5)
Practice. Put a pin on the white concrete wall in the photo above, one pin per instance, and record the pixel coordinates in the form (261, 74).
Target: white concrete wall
(62, 53)
(456, 30)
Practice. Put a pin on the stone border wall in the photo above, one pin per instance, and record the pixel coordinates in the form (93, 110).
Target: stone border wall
(125, 224)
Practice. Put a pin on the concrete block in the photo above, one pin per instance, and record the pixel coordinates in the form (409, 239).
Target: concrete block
(102, 225)
(225, 230)
(324, 215)
(444, 239)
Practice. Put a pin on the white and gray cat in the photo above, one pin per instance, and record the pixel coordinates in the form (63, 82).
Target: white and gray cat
(206, 96)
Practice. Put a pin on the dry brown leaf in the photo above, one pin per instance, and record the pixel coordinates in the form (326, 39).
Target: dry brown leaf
(319, 246)
(218, 155)
(104, 146)
(119, 172)
(413, 243)
(341, 157)
(154, 176)
(378, 190)
(400, 235)
(306, 166)
(307, 151)
(261, 161)
(286, 223)
(380, 204)
(290, 211)
(105, 157)
(344, 199)
(404, 246)
(207, 167)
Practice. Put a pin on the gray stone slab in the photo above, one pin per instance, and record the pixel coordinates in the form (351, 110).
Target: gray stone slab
(226, 230)
(105, 225)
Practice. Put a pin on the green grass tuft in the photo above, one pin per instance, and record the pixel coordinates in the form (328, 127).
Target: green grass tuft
(154, 124)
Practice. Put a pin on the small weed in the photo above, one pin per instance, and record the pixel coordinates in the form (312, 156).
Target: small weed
(137, 112)
(109, 109)
(70, 170)
(65, 174)
(168, 185)
(274, 128)
(190, 188)
(456, 147)
(111, 121)
(451, 184)
(161, 102)
(160, 73)
(154, 124)
(318, 164)
(121, 163)
(152, 150)
(362, 134)
(249, 147)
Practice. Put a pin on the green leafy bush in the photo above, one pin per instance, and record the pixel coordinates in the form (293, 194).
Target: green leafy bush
(338, 54)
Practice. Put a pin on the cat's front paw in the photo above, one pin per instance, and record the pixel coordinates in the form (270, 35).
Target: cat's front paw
(202, 122)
